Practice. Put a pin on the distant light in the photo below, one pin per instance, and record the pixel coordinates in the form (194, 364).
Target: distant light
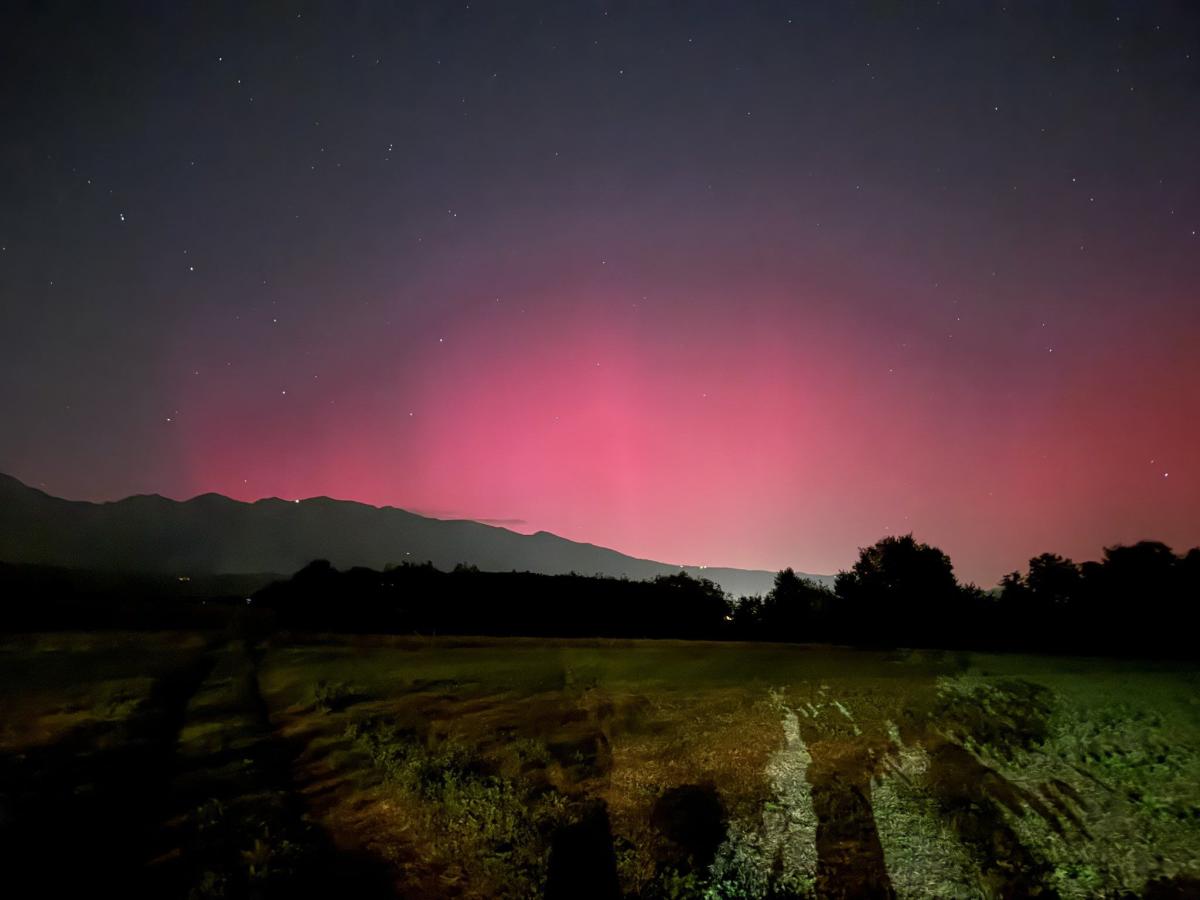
(248, 601)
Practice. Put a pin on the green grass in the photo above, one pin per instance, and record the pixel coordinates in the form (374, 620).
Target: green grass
(454, 765)
(56, 684)
(986, 774)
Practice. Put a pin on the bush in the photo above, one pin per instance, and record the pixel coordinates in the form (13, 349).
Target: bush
(333, 696)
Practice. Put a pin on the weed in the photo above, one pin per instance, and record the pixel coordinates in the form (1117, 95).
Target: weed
(333, 696)
(473, 819)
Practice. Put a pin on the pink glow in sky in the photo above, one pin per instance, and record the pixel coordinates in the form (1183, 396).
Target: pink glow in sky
(759, 434)
(749, 287)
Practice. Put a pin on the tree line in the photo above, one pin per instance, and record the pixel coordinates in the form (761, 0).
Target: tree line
(1137, 599)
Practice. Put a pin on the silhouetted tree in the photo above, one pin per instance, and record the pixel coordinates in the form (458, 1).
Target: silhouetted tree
(746, 616)
(791, 608)
(1053, 579)
(690, 606)
(1189, 570)
(1137, 599)
(1013, 588)
(900, 590)
(1138, 593)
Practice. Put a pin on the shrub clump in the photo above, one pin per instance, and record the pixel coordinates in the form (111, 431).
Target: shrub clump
(467, 821)
(333, 696)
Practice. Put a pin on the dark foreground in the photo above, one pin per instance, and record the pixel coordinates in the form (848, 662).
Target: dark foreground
(182, 765)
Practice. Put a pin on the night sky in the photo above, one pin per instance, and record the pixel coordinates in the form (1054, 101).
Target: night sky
(747, 284)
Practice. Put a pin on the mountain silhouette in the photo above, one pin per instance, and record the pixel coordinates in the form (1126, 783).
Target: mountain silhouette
(213, 534)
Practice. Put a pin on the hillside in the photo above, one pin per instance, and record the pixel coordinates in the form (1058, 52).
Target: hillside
(213, 534)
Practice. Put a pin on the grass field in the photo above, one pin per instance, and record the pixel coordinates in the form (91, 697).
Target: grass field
(196, 767)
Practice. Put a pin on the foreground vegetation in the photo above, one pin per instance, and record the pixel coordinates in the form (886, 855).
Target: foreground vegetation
(208, 766)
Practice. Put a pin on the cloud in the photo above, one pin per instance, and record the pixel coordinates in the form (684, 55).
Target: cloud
(454, 514)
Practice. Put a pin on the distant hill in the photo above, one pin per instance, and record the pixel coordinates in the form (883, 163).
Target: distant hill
(213, 534)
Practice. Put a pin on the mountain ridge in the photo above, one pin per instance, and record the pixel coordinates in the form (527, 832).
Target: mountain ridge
(213, 534)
